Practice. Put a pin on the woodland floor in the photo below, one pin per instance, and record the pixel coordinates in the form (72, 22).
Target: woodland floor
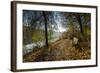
(57, 51)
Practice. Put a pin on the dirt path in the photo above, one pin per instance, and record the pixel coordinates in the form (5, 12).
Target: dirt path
(59, 50)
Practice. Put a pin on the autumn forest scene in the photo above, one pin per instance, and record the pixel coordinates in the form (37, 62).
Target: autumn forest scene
(56, 36)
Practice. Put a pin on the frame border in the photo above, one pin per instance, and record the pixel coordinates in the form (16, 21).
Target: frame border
(14, 35)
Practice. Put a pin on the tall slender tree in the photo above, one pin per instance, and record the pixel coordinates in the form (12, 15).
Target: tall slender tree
(80, 22)
(46, 28)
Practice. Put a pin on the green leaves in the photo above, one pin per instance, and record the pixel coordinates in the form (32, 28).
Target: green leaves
(38, 36)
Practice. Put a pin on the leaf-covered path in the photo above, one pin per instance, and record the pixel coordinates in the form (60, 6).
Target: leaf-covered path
(60, 50)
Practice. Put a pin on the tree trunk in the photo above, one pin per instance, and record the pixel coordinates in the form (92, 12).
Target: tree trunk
(46, 32)
(80, 23)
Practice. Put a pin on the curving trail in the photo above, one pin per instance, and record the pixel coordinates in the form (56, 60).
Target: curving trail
(60, 50)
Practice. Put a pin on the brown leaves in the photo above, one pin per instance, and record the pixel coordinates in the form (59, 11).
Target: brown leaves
(60, 50)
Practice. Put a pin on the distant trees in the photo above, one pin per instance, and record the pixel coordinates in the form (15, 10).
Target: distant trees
(41, 25)
(78, 18)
